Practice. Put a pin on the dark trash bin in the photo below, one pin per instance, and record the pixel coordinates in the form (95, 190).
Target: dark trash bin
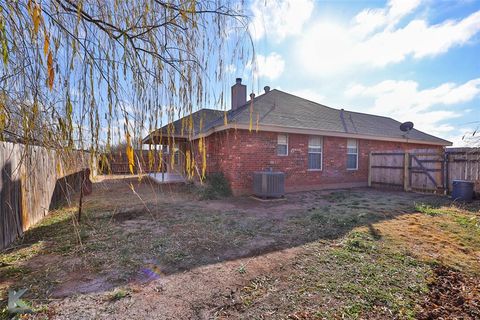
(462, 190)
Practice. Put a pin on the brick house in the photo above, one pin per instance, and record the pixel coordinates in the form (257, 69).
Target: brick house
(316, 146)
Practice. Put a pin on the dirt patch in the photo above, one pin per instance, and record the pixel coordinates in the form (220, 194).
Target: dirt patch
(172, 256)
(452, 295)
(80, 283)
(42, 261)
(292, 204)
(196, 294)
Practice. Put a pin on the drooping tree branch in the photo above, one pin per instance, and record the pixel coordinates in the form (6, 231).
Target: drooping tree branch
(85, 73)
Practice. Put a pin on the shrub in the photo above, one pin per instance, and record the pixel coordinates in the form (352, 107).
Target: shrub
(216, 187)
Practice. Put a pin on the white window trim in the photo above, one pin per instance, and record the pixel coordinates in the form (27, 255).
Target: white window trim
(348, 153)
(276, 149)
(321, 153)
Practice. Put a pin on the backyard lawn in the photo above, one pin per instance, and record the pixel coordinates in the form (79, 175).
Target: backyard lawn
(148, 251)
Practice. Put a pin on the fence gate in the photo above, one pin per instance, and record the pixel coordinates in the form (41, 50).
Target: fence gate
(416, 171)
(426, 172)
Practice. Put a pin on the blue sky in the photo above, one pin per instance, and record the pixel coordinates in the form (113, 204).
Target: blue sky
(412, 60)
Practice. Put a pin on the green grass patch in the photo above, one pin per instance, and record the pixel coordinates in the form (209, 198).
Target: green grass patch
(429, 209)
(469, 222)
(371, 275)
(118, 294)
(362, 277)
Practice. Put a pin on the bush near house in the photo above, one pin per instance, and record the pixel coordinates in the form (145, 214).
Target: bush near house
(216, 187)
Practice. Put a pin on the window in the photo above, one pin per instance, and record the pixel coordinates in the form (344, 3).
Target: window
(165, 149)
(315, 153)
(282, 145)
(352, 154)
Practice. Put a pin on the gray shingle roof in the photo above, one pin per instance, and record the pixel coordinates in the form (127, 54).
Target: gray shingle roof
(278, 108)
(206, 116)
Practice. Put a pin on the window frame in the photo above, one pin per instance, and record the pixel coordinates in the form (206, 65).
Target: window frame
(350, 153)
(278, 144)
(315, 152)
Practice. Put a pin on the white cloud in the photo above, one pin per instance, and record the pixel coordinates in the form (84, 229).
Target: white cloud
(270, 66)
(393, 96)
(277, 19)
(465, 139)
(369, 20)
(374, 40)
(403, 101)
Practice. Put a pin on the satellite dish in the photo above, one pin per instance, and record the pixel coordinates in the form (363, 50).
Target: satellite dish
(406, 126)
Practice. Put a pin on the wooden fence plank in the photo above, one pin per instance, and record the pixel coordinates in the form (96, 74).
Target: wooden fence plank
(463, 164)
(425, 170)
(406, 181)
(33, 179)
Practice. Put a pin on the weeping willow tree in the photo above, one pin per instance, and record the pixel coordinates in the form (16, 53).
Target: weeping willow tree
(88, 74)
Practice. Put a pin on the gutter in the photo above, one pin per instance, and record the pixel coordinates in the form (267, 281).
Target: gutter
(307, 131)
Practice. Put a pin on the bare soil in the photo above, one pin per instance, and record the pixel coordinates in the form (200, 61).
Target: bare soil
(452, 296)
(144, 250)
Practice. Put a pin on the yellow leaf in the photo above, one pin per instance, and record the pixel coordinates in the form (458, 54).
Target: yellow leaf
(3, 116)
(29, 6)
(59, 168)
(151, 159)
(192, 7)
(187, 163)
(36, 14)
(46, 45)
(129, 151)
(183, 13)
(3, 39)
(204, 159)
(172, 160)
(51, 71)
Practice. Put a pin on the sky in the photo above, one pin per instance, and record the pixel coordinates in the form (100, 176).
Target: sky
(412, 60)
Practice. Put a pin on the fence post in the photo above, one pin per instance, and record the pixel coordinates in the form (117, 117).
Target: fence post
(406, 169)
(370, 169)
(446, 174)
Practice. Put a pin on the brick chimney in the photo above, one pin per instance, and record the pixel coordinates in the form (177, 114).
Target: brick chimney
(239, 94)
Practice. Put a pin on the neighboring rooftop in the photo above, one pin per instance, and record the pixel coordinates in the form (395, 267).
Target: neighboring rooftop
(280, 109)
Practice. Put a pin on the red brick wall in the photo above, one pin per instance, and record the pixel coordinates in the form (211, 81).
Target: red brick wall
(238, 153)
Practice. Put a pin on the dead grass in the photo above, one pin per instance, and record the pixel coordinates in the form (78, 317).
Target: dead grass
(447, 235)
(355, 253)
(359, 277)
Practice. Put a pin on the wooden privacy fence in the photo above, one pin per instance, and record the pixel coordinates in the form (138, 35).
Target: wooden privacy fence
(463, 164)
(424, 170)
(33, 180)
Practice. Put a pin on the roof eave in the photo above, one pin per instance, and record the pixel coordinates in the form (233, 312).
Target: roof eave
(313, 131)
(149, 138)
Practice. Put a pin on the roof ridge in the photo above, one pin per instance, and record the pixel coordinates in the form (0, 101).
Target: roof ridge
(390, 118)
(195, 112)
(320, 104)
(336, 109)
(233, 113)
(294, 95)
(305, 113)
